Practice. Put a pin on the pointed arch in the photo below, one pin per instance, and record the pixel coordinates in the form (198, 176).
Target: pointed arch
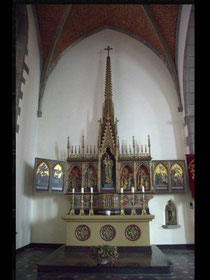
(177, 176)
(126, 177)
(74, 179)
(160, 176)
(57, 179)
(166, 62)
(143, 178)
(170, 213)
(42, 176)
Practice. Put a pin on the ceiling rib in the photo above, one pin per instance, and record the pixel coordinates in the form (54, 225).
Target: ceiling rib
(171, 64)
(44, 73)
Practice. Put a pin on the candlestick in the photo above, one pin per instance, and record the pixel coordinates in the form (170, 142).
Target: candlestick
(143, 189)
(82, 190)
(91, 189)
(72, 204)
(133, 211)
(121, 190)
(81, 212)
(143, 212)
(91, 213)
(132, 189)
(121, 203)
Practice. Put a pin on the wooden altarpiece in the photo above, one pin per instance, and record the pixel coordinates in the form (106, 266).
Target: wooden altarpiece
(108, 186)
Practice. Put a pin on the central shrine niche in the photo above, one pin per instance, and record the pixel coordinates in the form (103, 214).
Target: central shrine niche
(108, 171)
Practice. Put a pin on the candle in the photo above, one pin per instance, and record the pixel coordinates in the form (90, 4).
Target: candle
(82, 190)
(142, 188)
(121, 190)
(73, 190)
(132, 189)
(91, 189)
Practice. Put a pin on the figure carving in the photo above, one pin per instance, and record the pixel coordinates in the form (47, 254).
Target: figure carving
(170, 213)
(90, 178)
(108, 164)
(126, 178)
(143, 179)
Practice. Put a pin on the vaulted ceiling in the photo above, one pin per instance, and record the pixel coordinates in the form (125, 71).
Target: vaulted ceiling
(62, 25)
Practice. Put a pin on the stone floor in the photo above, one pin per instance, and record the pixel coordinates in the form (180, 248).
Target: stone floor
(26, 267)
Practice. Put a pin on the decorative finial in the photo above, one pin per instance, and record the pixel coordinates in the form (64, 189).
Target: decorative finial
(149, 145)
(108, 49)
(68, 147)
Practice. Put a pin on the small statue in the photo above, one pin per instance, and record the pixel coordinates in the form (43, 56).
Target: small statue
(108, 164)
(170, 213)
(130, 181)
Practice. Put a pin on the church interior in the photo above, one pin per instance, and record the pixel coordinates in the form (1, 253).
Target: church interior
(103, 141)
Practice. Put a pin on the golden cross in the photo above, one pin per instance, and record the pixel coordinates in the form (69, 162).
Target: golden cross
(108, 49)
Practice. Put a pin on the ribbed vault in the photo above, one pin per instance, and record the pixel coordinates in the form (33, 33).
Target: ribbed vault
(61, 26)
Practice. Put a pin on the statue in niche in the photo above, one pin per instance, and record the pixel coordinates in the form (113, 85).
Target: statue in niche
(126, 178)
(108, 165)
(170, 213)
(143, 179)
(75, 179)
(90, 179)
(130, 181)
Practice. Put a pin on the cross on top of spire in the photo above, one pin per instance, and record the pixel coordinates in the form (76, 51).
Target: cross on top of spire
(108, 49)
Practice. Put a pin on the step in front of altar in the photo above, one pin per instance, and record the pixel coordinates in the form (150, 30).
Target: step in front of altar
(129, 262)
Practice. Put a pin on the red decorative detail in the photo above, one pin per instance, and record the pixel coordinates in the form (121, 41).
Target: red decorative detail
(75, 179)
(191, 172)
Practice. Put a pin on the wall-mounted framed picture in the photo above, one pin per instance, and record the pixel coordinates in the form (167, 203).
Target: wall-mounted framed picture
(160, 176)
(57, 177)
(169, 176)
(177, 176)
(49, 175)
(41, 175)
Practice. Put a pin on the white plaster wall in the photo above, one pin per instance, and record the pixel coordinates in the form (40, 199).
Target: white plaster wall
(26, 138)
(185, 218)
(145, 103)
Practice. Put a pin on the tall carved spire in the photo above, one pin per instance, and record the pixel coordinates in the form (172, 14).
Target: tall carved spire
(108, 109)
